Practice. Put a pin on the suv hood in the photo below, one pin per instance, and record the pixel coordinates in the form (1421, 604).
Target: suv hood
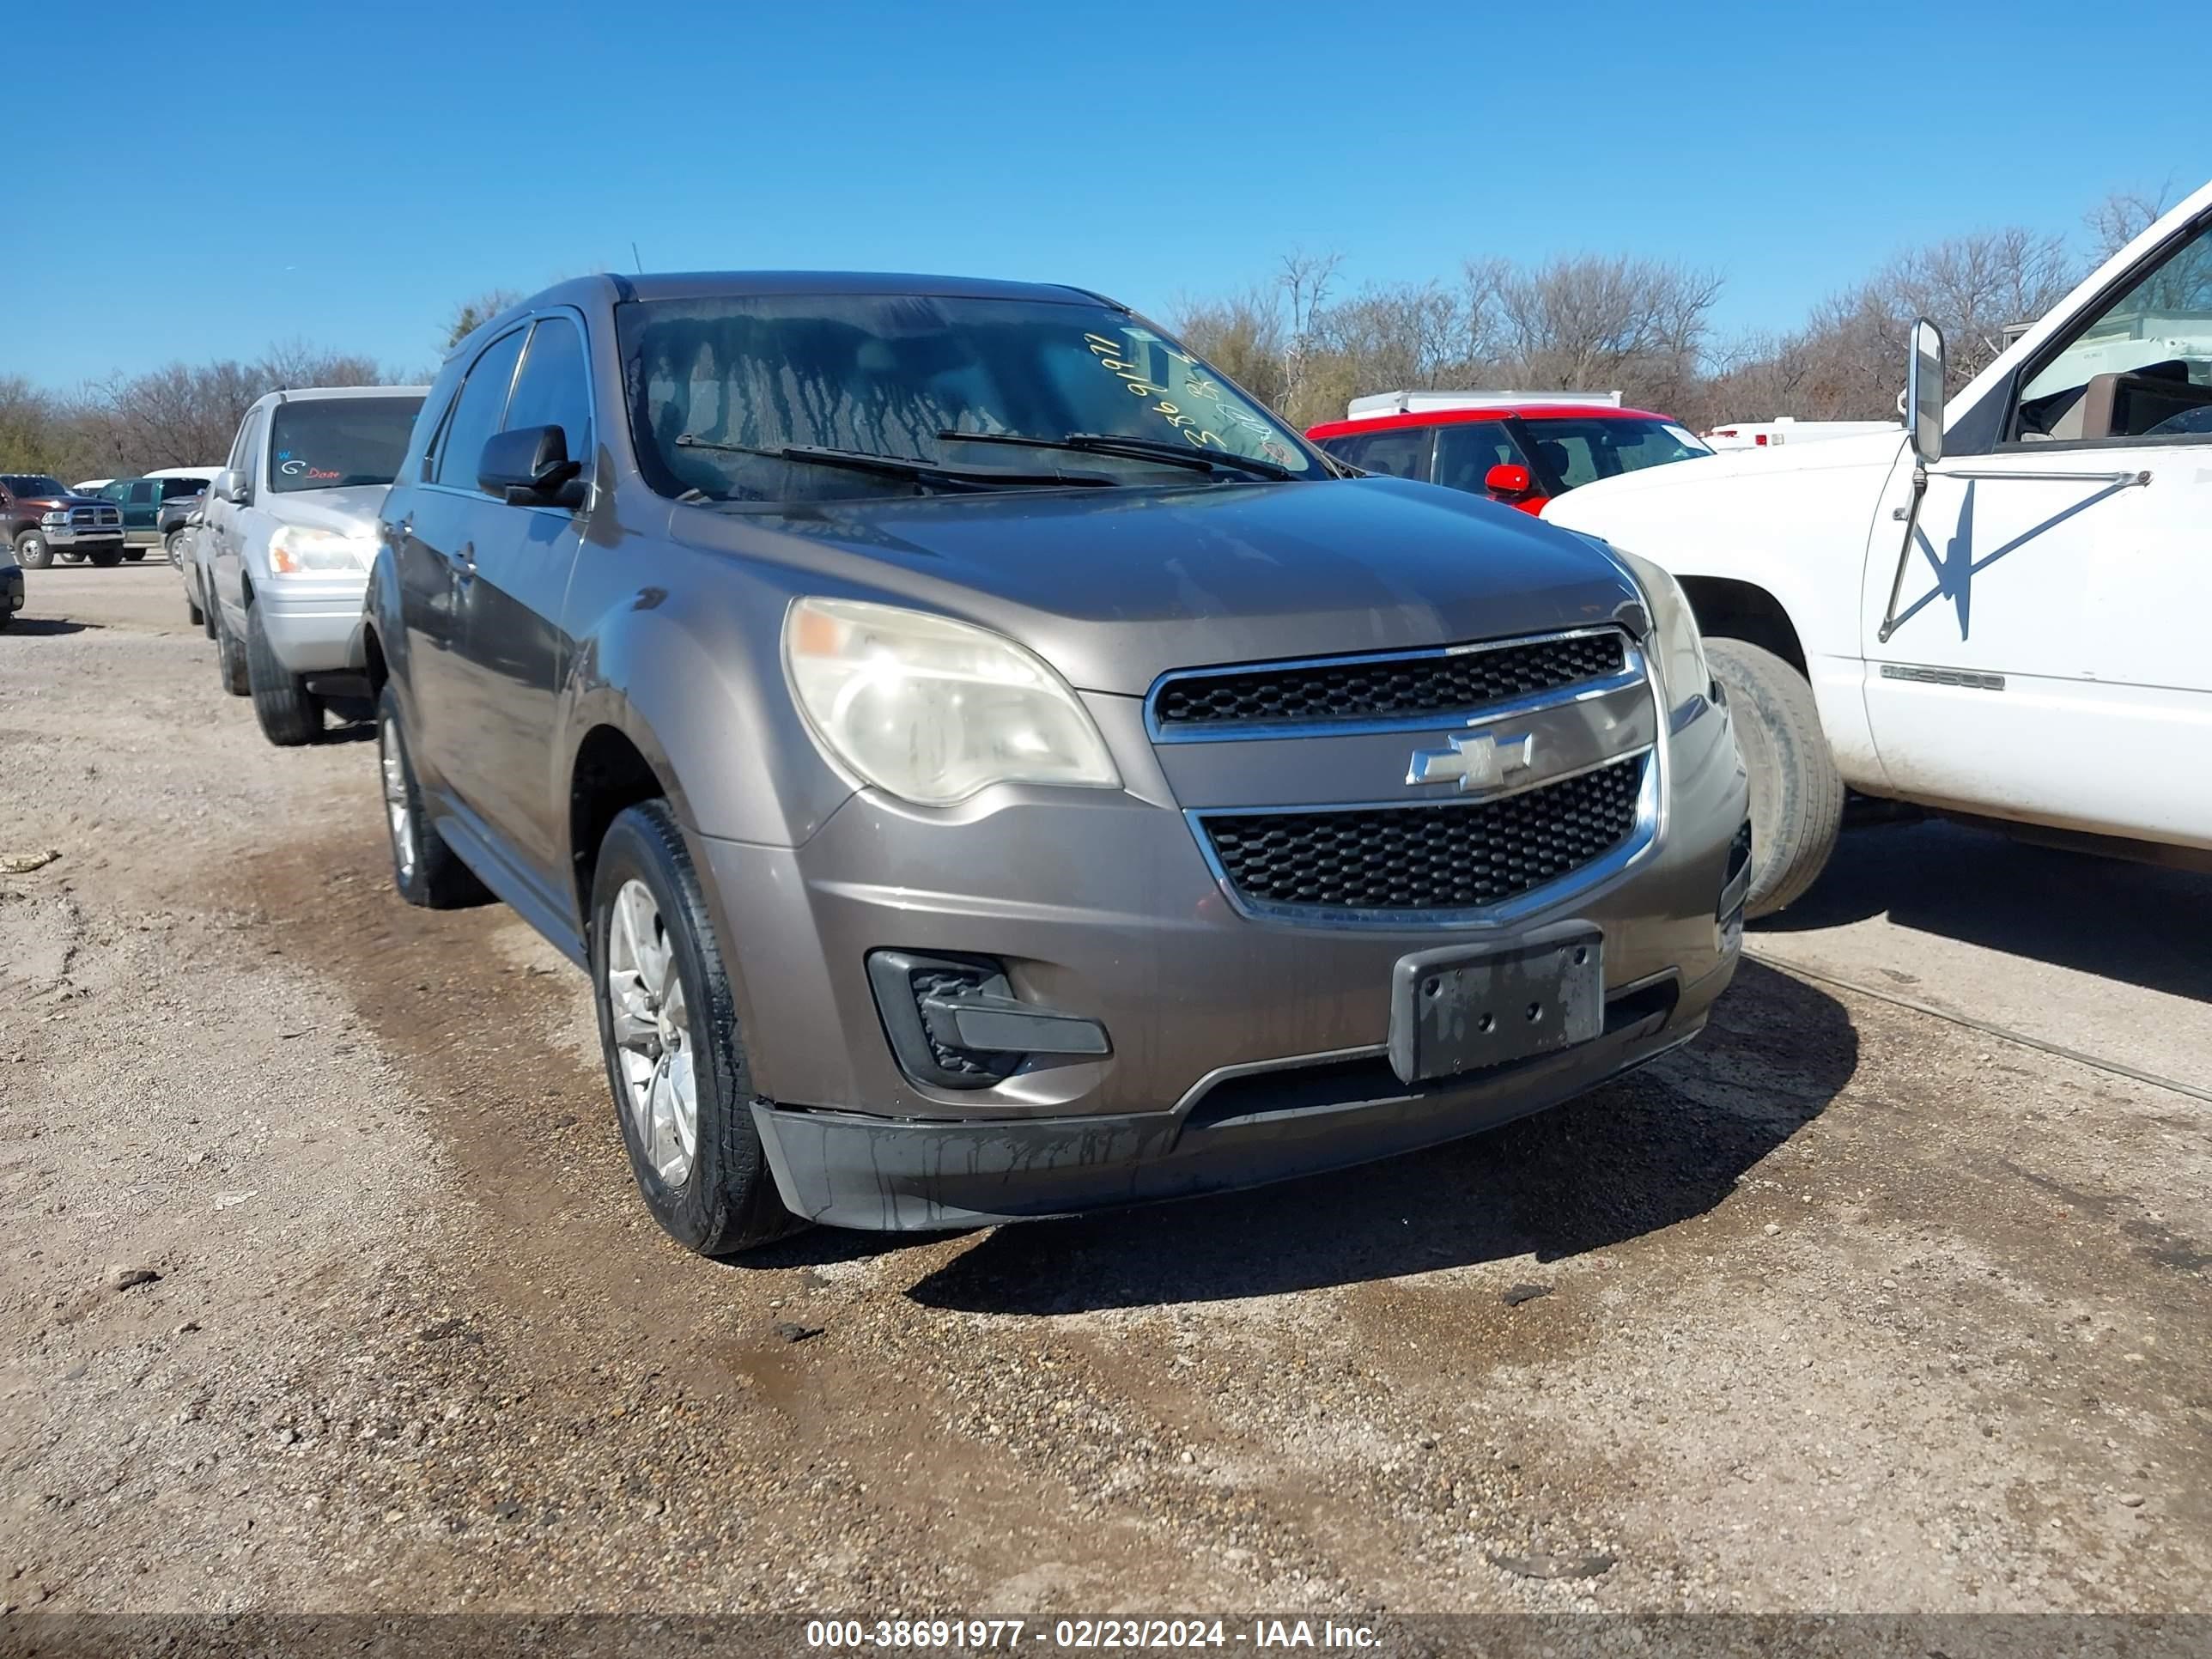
(1115, 587)
(351, 511)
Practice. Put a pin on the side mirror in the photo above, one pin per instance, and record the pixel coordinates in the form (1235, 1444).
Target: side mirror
(1923, 392)
(196, 517)
(530, 467)
(230, 486)
(1509, 482)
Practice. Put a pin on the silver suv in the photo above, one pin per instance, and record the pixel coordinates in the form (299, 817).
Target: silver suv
(285, 542)
(990, 767)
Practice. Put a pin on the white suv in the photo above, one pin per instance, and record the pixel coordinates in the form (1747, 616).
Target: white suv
(289, 530)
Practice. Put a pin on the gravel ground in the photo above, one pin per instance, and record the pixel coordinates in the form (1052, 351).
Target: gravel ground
(1848, 1308)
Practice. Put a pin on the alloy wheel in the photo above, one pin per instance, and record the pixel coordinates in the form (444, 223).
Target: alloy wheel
(651, 1023)
(398, 812)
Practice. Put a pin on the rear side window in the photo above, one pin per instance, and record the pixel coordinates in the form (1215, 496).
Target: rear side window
(172, 488)
(241, 451)
(476, 414)
(1403, 453)
(552, 389)
(1467, 450)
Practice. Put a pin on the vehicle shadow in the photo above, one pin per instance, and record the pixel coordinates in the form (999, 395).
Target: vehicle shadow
(2135, 924)
(1641, 1154)
(48, 625)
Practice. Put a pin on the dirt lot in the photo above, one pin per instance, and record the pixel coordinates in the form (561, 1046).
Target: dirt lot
(1850, 1307)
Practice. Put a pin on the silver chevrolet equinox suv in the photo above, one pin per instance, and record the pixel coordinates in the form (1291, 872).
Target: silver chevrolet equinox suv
(990, 767)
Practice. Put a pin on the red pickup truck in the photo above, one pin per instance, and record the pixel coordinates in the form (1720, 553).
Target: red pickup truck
(1520, 450)
(40, 518)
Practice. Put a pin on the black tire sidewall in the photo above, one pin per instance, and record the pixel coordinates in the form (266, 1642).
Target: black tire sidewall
(289, 714)
(1795, 794)
(729, 1196)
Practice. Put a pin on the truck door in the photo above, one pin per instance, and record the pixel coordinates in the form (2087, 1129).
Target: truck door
(2048, 663)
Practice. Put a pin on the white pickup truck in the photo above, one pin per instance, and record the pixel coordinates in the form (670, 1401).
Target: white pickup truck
(2002, 613)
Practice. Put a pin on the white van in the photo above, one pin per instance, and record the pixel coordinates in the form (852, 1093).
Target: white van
(1997, 613)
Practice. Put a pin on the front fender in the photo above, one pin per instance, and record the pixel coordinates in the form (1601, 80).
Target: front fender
(692, 674)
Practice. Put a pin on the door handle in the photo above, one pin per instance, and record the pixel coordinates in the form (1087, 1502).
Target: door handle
(465, 560)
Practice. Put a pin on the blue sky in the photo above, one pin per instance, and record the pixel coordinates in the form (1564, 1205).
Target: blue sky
(347, 175)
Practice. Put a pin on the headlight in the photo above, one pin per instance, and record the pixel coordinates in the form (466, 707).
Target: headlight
(57, 520)
(1680, 648)
(296, 550)
(933, 710)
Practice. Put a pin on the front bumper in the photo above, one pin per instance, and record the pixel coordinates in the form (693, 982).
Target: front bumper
(82, 538)
(313, 623)
(1243, 1050)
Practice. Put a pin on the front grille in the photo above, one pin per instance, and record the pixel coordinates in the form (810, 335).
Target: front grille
(1434, 856)
(985, 1066)
(95, 515)
(1440, 682)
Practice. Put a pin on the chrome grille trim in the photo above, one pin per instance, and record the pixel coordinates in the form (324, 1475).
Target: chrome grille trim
(1633, 672)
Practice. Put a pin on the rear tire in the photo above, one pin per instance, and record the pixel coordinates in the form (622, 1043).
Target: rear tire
(724, 1200)
(33, 551)
(1796, 793)
(289, 714)
(207, 604)
(424, 869)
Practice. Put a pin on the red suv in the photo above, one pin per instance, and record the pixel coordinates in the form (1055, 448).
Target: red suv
(1521, 452)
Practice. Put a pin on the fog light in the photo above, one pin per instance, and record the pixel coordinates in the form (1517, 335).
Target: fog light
(954, 1022)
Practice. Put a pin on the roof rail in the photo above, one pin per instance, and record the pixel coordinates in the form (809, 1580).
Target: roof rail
(1413, 403)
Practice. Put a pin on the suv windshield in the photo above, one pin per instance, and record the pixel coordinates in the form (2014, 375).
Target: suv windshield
(323, 443)
(1577, 450)
(714, 382)
(33, 484)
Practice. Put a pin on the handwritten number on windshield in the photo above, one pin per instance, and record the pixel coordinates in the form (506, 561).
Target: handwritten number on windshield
(1108, 353)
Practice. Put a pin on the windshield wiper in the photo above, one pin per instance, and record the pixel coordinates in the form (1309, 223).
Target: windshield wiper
(1140, 449)
(901, 466)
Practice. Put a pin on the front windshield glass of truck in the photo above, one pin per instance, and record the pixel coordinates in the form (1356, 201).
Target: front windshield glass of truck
(1579, 451)
(2141, 367)
(719, 388)
(326, 443)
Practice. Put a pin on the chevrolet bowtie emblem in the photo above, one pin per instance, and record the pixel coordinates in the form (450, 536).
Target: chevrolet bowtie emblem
(1473, 761)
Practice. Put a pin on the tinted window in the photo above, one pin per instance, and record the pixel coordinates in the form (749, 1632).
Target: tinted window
(552, 389)
(1467, 450)
(241, 451)
(142, 492)
(1403, 453)
(172, 488)
(719, 387)
(1578, 450)
(476, 413)
(32, 483)
(328, 443)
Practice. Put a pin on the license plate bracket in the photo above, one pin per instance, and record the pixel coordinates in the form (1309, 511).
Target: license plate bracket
(1464, 1008)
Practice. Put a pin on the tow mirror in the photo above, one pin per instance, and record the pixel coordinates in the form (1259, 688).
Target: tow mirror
(1923, 392)
(1923, 432)
(1509, 481)
(230, 486)
(196, 517)
(529, 466)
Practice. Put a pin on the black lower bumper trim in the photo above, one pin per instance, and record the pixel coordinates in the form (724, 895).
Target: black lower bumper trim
(847, 1170)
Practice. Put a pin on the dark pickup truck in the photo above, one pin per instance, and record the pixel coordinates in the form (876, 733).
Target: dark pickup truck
(41, 519)
(143, 501)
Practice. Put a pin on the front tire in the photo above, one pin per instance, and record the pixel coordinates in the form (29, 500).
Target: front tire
(1796, 793)
(106, 558)
(668, 1028)
(289, 714)
(174, 545)
(229, 659)
(133, 555)
(33, 551)
(423, 868)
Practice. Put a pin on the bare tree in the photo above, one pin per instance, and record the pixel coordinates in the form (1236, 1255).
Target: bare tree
(1304, 280)
(2124, 215)
(472, 314)
(1594, 323)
